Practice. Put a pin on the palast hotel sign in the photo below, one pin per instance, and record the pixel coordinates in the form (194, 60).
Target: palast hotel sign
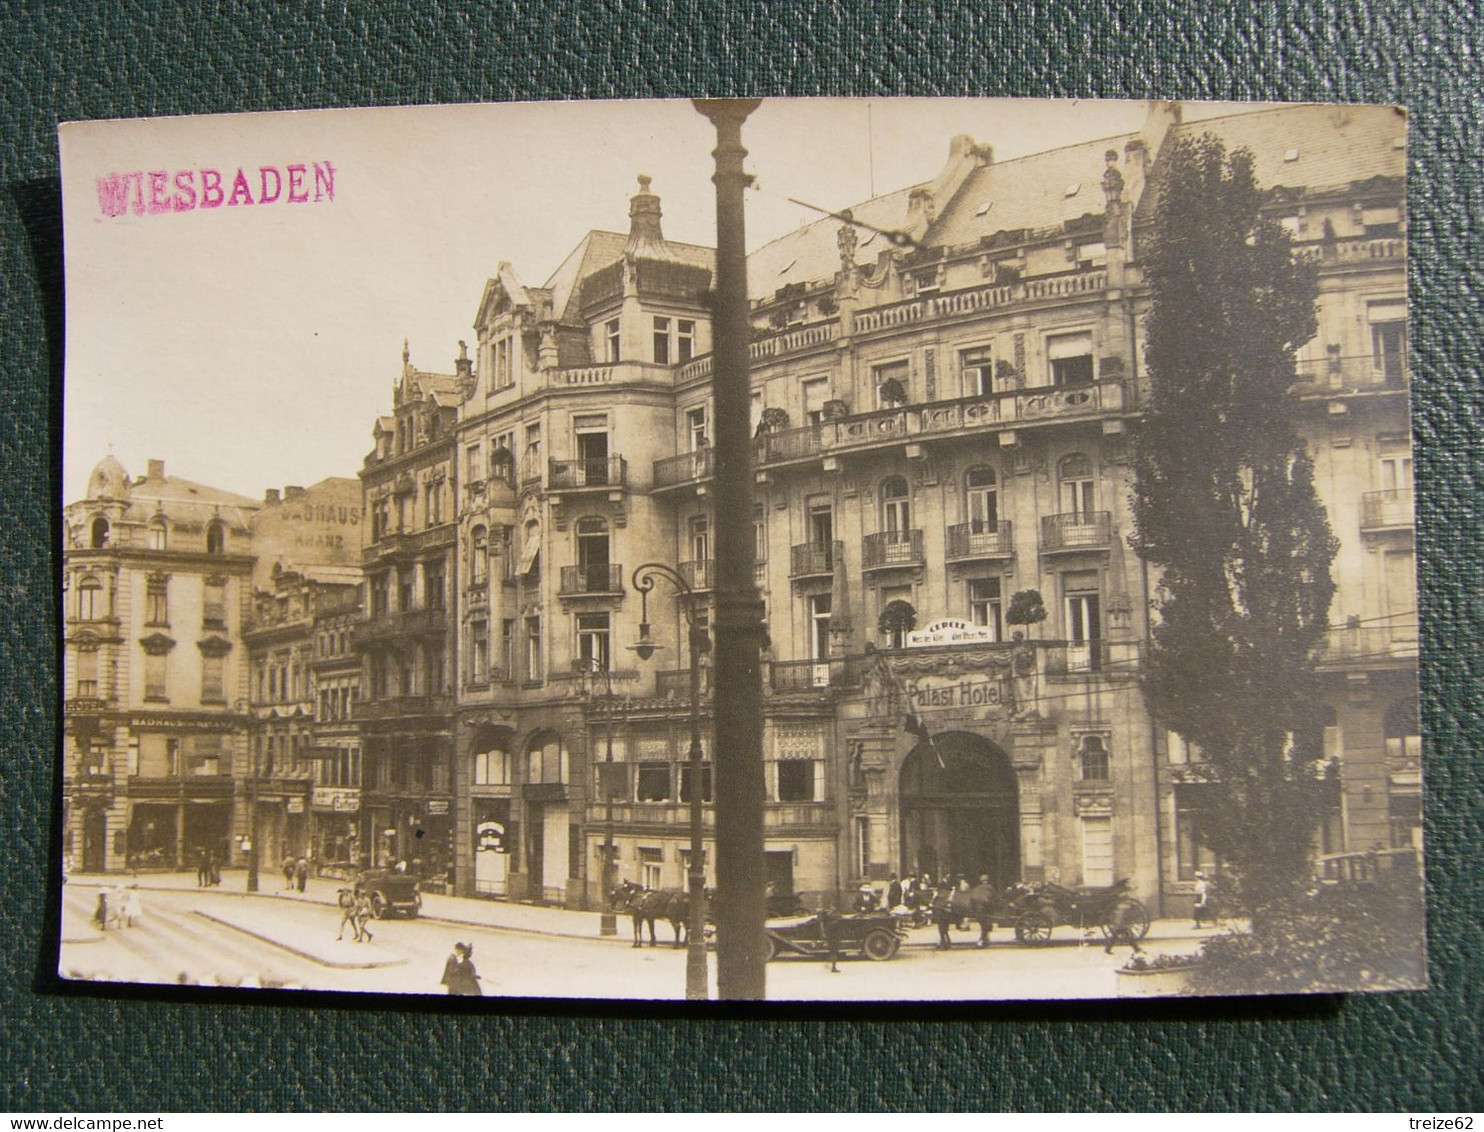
(941, 690)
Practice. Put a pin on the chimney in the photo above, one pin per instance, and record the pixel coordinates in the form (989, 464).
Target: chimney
(292, 492)
(156, 470)
(271, 495)
(644, 216)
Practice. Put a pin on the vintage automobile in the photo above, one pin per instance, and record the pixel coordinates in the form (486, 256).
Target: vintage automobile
(391, 893)
(876, 935)
(1034, 911)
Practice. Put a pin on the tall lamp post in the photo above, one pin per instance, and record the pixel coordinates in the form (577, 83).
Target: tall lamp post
(740, 631)
(695, 930)
(244, 707)
(607, 920)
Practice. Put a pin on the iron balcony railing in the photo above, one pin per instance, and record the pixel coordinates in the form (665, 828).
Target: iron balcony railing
(887, 549)
(609, 471)
(980, 539)
(604, 579)
(1393, 507)
(699, 575)
(392, 707)
(688, 467)
(1076, 530)
(809, 559)
(793, 676)
(788, 444)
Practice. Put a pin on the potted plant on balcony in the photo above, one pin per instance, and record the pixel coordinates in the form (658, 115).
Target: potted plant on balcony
(897, 619)
(893, 393)
(835, 409)
(772, 420)
(1026, 608)
(1006, 376)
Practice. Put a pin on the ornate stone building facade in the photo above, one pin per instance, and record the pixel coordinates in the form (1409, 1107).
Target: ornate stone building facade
(157, 586)
(942, 422)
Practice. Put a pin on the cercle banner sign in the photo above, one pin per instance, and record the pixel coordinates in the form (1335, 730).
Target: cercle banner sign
(950, 631)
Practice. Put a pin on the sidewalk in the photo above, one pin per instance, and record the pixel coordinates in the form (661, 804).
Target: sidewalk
(466, 911)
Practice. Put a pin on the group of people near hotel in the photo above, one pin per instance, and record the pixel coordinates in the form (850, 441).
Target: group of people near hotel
(118, 908)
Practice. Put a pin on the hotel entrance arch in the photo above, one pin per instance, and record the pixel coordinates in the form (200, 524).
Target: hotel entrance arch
(960, 809)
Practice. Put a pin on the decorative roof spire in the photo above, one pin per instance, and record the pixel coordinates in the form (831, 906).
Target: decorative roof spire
(646, 239)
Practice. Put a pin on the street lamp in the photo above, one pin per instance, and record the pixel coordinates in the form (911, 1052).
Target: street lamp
(607, 921)
(245, 708)
(741, 952)
(644, 648)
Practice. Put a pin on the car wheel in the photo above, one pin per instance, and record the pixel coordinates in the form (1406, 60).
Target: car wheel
(879, 944)
(379, 906)
(770, 949)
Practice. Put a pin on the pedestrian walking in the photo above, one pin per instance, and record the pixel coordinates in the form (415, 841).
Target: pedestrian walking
(103, 914)
(459, 975)
(943, 914)
(348, 904)
(1203, 908)
(893, 892)
(301, 872)
(203, 868)
(364, 914)
(131, 908)
(213, 874)
(1121, 928)
(288, 873)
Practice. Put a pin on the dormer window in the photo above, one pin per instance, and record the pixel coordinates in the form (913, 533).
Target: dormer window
(662, 341)
(158, 536)
(611, 341)
(216, 538)
(100, 533)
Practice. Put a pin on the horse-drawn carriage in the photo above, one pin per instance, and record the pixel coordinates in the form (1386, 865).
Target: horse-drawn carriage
(875, 935)
(1035, 911)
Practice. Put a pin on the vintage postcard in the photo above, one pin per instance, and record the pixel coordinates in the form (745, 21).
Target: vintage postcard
(428, 470)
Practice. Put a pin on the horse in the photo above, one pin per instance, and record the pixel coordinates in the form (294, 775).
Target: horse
(648, 905)
(979, 903)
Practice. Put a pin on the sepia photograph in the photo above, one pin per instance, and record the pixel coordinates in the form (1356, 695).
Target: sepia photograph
(842, 550)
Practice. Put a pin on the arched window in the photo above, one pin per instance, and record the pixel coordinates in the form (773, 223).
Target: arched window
(479, 552)
(982, 500)
(216, 538)
(1094, 757)
(89, 598)
(158, 534)
(100, 533)
(546, 758)
(896, 506)
(1074, 473)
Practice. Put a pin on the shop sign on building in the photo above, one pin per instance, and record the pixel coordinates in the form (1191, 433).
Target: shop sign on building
(337, 799)
(950, 631)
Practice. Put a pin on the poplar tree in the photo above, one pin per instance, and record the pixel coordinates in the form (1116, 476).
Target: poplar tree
(1225, 507)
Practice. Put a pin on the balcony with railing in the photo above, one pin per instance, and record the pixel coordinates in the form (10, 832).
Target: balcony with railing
(687, 468)
(596, 474)
(408, 623)
(1353, 373)
(813, 559)
(606, 579)
(410, 542)
(979, 539)
(788, 444)
(787, 677)
(887, 550)
(1373, 645)
(181, 786)
(1360, 250)
(1076, 530)
(699, 575)
(1391, 509)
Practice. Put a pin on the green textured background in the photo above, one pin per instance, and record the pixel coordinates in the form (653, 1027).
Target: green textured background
(90, 1052)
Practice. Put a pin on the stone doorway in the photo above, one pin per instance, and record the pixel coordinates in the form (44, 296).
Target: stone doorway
(960, 810)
